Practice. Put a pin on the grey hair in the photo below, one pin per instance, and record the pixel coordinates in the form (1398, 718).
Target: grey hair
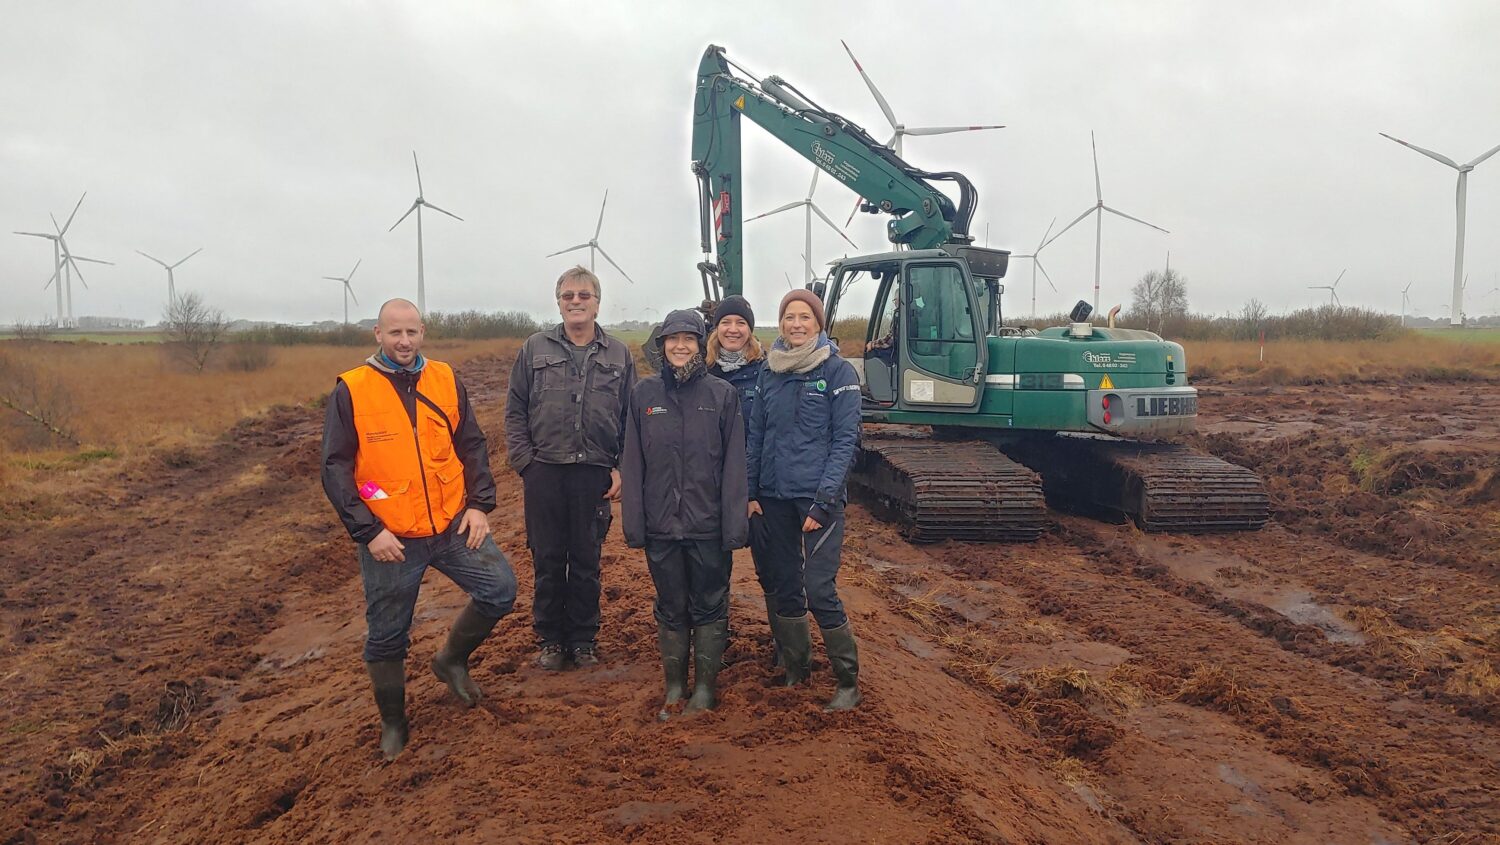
(577, 272)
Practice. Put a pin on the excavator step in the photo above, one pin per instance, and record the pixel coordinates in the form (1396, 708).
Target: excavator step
(950, 489)
(1163, 487)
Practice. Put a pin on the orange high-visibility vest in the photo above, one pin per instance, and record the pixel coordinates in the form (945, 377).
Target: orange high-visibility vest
(416, 468)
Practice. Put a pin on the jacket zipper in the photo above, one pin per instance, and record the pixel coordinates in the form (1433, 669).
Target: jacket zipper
(421, 469)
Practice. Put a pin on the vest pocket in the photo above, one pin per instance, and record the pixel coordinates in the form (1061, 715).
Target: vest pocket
(439, 439)
(399, 509)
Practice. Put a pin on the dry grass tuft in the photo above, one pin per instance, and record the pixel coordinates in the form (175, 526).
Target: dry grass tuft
(1411, 358)
(1475, 679)
(1214, 686)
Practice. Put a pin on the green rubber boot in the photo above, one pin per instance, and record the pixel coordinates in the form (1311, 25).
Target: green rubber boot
(388, 677)
(674, 647)
(775, 646)
(794, 640)
(708, 658)
(843, 656)
(451, 664)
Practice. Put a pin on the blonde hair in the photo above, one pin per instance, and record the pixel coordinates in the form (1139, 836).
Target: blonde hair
(753, 350)
(575, 273)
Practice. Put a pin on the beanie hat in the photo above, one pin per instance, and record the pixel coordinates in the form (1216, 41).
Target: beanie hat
(682, 320)
(803, 295)
(736, 305)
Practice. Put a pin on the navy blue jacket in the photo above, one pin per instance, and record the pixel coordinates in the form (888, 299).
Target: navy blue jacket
(804, 432)
(746, 381)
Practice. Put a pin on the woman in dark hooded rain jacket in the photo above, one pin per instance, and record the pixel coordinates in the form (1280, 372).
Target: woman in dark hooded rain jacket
(684, 500)
(804, 433)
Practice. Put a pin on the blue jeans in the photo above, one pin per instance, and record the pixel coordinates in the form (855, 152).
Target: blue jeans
(391, 588)
(799, 571)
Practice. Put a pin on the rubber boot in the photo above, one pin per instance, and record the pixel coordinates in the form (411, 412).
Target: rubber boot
(674, 647)
(775, 645)
(708, 658)
(843, 656)
(451, 664)
(389, 679)
(794, 639)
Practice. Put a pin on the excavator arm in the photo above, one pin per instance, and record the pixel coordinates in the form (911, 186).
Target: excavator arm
(922, 216)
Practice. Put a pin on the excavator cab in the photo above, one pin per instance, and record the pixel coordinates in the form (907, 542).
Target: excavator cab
(924, 345)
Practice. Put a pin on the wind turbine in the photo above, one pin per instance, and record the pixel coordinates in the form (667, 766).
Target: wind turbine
(1036, 262)
(1461, 201)
(900, 129)
(810, 208)
(592, 244)
(416, 206)
(171, 282)
(70, 261)
(348, 291)
(1333, 289)
(1405, 301)
(1098, 208)
(62, 259)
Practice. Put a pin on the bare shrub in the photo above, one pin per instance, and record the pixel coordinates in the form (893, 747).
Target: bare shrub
(43, 406)
(40, 330)
(249, 357)
(193, 329)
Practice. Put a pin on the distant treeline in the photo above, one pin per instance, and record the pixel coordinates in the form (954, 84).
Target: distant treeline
(460, 325)
(1327, 322)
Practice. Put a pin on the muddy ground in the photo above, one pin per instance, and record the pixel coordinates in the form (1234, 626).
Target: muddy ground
(180, 663)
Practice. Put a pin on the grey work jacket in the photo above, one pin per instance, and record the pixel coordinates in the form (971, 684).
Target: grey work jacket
(557, 413)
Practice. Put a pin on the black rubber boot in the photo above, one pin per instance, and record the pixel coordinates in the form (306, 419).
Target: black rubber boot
(708, 658)
(674, 647)
(389, 679)
(451, 664)
(775, 645)
(843, 656)
(794, 640)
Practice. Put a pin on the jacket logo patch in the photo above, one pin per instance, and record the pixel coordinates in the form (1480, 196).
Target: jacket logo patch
(654, 410)
(838, 390)
(821, 385)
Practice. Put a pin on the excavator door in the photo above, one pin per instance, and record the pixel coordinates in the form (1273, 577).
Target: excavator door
(941, 348)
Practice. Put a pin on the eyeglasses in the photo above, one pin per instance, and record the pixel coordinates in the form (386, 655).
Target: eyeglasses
(580, 295)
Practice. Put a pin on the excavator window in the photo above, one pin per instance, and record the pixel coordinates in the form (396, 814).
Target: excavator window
(939, 320)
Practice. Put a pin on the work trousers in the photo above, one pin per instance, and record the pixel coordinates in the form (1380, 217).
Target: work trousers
(391, 588)
(692, 582)
(799, 570)
(567, 517)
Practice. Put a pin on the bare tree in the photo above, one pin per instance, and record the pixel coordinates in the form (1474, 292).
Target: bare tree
(1160, 295)
(1252, 318)
(39, 330)
(193, 329)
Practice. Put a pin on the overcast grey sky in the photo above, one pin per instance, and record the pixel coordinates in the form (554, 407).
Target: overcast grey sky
(278, 137)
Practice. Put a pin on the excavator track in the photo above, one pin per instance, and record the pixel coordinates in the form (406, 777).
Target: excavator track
(950, 489)
(1163, 487)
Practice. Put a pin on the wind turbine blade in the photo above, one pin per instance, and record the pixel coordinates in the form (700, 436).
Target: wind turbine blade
(832, 225)
(854, 211)
(600, 226)
(357, 262)
(190, 255)
(1091, 210)
(616, 266)
(419, 171)
(38, 235)
(786, 207)
(879, 98)
(1429, 153)
(334, 278)
(91, 260)
(1341, 276)
(154, 258)
(403, 217)
(449, 213)
(569, 249)
(1136, 219)
(1476, 162)
(1044, 275)
(64, 229)
(945, 130)
(1098, 188)
(1408, 287)
(813, 185)
(351, 292)
(1045, 234)
(789, 285)
(76, 269)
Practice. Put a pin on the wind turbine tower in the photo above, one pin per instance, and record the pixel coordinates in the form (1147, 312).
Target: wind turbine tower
(810, 208)
(1455, 317)
(1405, 302)
(592, 244)
(1098, 208)
(171, 281)
(416, 206)
(349, 291)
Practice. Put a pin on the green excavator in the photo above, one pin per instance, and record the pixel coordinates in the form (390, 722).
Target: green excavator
(972, 427)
